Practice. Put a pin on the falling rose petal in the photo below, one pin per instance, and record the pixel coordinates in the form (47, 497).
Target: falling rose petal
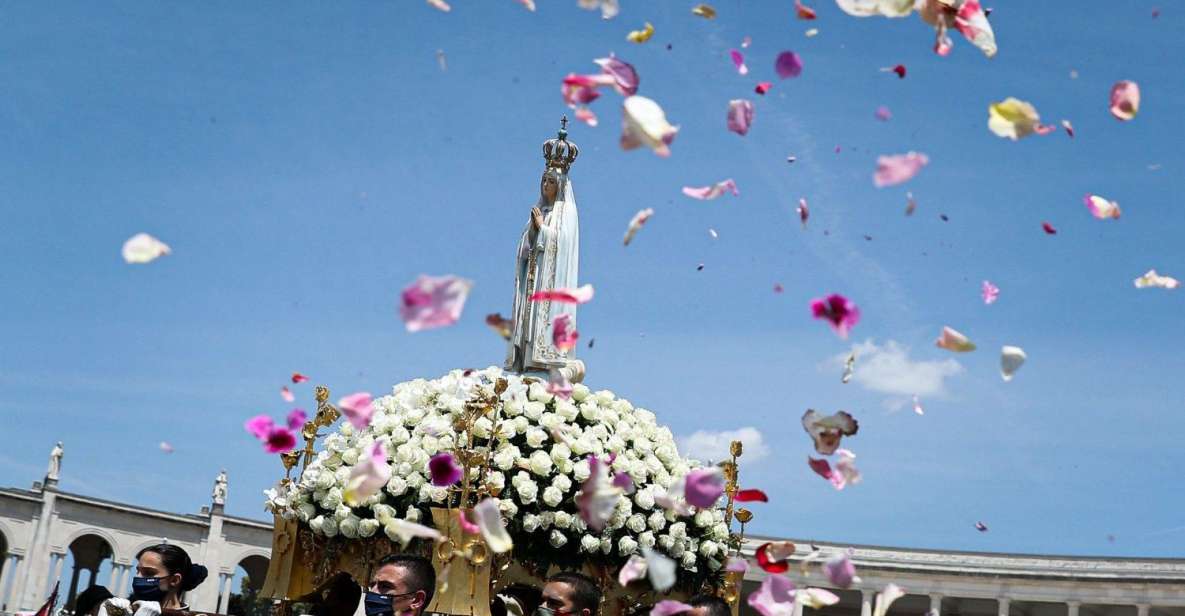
(440, 4)
(803, 12)
(143, 248)
(849, 368)
(751, 495)
(917, 406)
(500, 324)
(775, 596)
(1011, 359)
(641, 36)
(762, 87)
(868, 8)
(298, 378)
(433, 301)
(586, 115)
(645, 124)
(286, 394)
(736, 565)
(981, 527)
(1125, 100)
(636, 223)
(1014, 119)
(166, 447)
(990, 292)
(444, 470)
(738, 60)
(846, 469)
(259, 426)
(660, 570)
(623, 481)
(804, 212)
(634, 569)
(788, 65)
(558, 384)
(840, 571)
(707, 193)
(953, 340)
(840, 313)
(673, 499)
(369, 476)
(740, 116)
(296, 419)
(815, 598)
(1048, 228)
(883, 114)
(598, 496)
(828, 430)
(899, 69)
(669, 607)
(279, 440)
(528, 4)
(1101, 208)
(778, 288)
(712, 232)
(357, 408)
(579, 295)
(703, 487)
(910, 204)
(971, 21)
(1069, 128)
(609, 8)
(773, 557)
(745, 42)
(489, 518)
(406, 531)
(704, 10)
(811, 32)
(886, 597)
(1152, 279)
(898, 168)
(564, 333)
(791, 159)
(441, 60)
(467, 527)
(623, 77)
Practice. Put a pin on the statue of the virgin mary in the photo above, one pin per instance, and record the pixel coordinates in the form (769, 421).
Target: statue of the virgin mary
(548, 258)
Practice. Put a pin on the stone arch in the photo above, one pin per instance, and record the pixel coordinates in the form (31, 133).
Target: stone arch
(102, 533)
(255, 565)
(6, 535)
(88, 549)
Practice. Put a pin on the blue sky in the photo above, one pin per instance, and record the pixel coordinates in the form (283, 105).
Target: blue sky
(307, 162)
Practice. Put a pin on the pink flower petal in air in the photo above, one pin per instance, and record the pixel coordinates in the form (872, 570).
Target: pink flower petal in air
(1101, 208)
(883, 114)
(840, 571)
(298, 378)
(558, 384)
(1125, 100)
(751, 495)
(828, 430)
(493, 530)
(971, 21)
(166, 447)
(279, 440)
(990, 292)
(440, 5)
(369, 475)
(898, 168)
(598, 496)
(358, 409)
(467, 527)
(579, 295)
(775, 596)
(259, 426)
(738, 60)
(740, 116)
(917, 406)
(624, 77)
(645, 124)
(981, 527)
(296, 419)
(1048, 228)
(624, 481)
(788, 64)
(804, 212)
(953, 340)
(762, 87)
(636, 223)
(564, 333)
(669, 607)
(707, 193)
(143, 248)
(432, 302)
(803, 11)
(703, 487)
(736, 565)
(444, 470)
(586, 115)
(633, 569)
(840, 313)
(286, 394)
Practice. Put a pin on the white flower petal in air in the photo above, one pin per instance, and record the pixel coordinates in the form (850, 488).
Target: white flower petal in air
(867, 8)
(886, 597)
(645, 123)
(660, 569)
(1011, 359)
(489, 519)
(143, 248)
(1152, 279)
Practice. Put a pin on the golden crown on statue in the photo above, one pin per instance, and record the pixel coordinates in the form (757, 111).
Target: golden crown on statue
(559, 153)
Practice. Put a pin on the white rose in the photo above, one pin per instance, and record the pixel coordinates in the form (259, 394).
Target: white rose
(415, 480)
(505, 457)
(332, 499)
(324, 481)
(527, 491)
(368, 527)
(590, 412)
(350, 456)
(557, 539)
(400, 435)
(581, 446)
(349, 527)
(657, 521)
(614, 445)
(540, 463)
(581, 471)
(646, 539)
(539, 393)
(412, 515)
(342, 512)
(562, 519)
(588, 543)
(562, 483)
(552, 496)
(383, 513)
(678, 548)
(304, 511)
(703, 517)
(507, 507)
(317, 524)
(530, 523)
(521, 424)
(533, 410)
(551, 421)
(559, 452)
(678, 530)
(665, 542)
(536, 437)
(720, 532)
(605, 397)
(546, 519)
(483, 427)
(644, 499)
(626, 546)
(636, 523)
(580, 391)
(688, 560)
(329, 527)
(567, 410)
(430, 444)
(495, 480)
(708, 549)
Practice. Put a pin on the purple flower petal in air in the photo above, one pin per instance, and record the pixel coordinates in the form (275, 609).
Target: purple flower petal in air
(444, 470)
(788, 65)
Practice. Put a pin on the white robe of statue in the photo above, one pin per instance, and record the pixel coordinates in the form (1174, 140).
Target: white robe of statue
(546, 259)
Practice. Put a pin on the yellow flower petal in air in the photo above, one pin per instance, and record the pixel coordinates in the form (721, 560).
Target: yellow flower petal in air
(704, 10)
(641, 36)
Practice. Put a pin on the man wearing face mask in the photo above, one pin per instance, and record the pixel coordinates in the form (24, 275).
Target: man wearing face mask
(402, 585)
(570, 594)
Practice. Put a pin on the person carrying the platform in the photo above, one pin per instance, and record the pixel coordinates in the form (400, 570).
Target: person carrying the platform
(164, 573)
(570, 594)
(402, 585)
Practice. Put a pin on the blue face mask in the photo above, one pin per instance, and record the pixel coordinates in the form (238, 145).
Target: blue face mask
(147, 589)
(379, 605)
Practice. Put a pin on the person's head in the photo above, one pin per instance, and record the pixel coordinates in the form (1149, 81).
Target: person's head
(88, 601)
(570, 593)
(164, 573)
(549, 185)
(708, 605)
(401, 583)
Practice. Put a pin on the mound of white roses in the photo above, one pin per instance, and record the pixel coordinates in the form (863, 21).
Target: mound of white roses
(540, 460)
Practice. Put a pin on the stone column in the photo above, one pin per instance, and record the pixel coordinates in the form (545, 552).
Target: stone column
(935, 604)
(1072, 608)
(5, 575)
(224, 589)
(73, 592)
(28, 590)
(205, 597)
(1004, 604)
(1142, 609)
(121, 585)
(59, 564)
(866, 602)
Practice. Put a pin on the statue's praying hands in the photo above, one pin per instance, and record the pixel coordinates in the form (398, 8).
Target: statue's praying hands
(536, 218)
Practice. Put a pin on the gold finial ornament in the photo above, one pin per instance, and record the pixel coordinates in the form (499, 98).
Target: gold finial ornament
(559, 153)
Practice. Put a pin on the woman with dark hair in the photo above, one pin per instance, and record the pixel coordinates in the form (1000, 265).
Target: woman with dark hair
(164, 573)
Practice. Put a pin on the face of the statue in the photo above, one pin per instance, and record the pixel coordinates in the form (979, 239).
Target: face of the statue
(549, 187)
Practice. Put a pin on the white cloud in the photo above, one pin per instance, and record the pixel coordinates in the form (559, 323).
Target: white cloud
(888, 369)
(706, 445)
